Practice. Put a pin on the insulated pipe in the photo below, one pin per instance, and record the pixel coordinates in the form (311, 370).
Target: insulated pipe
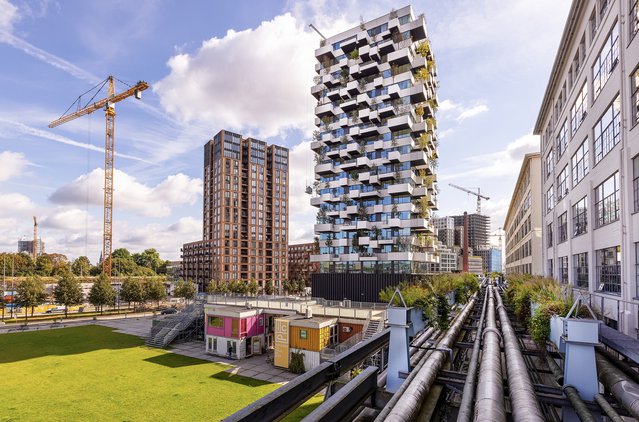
(490, 388)
(406, 402)
(623, 366)
(523, 399)
(414, 351)
(622, 387)
(569, 391)
(468, 396)
(607, 408)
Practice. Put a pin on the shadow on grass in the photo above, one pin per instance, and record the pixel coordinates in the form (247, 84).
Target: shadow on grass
(16, 347)
(172, 360)
(239, 379)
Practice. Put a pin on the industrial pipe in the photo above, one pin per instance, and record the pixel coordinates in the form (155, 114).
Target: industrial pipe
(555, 369)
(468, 395)
(622, 387)
(418, 383)
(607, 408)
(623, 366)
(523, 399)
(489, 405)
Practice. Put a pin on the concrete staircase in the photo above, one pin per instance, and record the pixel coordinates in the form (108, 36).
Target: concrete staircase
(165, 330)
(373, 327)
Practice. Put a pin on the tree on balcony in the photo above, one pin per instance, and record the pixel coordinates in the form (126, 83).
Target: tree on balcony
(375, 233)
(394, 213)
(345, 200)
(362, 213)
(422, 206)
(398, 172)
(326, 63)
(326, 122)
(423, 49)
(354, 175)
(355, 115)
(321, 216)
(329, 241)
(343, 77)
(423, 139)
(354, 54)
(422, 74)
(362, 147)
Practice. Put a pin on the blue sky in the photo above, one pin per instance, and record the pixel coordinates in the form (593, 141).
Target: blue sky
(245, 66)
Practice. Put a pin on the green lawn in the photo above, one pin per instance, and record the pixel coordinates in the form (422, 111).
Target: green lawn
(90, 373)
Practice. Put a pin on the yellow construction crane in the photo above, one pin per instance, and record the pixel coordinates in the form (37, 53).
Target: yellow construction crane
(35, 238)
(108, 104)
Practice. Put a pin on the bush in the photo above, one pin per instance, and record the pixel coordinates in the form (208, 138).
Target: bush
(296, 365)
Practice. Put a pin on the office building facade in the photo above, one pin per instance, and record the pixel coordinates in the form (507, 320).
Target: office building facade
(523, 221)
(376, 154)
(300, 266)
(245, 212)
(445, 227)
(590, 159)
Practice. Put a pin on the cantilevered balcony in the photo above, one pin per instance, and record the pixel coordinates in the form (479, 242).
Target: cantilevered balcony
(325, 169)
(400, 189)
(324, 228)
(400, 122)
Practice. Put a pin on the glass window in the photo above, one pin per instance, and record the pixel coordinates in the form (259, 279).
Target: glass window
(609, 269)
(580, 273)
(634, 82)
(607, 130)
(580, 163)
(607, 201)
(549, 235)
(303, 334)
(578, 110)
(580, 217)
(637, 269)
(550, 199)
(216, 322)
(606, 61)
(562, 228)
(562, 183)
(634, 19)
(635, 182)
(550, 162)
(562, 139)
(563, 269)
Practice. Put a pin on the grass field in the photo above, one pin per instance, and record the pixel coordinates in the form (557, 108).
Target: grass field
(91, 373)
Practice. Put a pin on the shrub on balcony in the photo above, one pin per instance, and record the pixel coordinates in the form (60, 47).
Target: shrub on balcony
(354, 54)
(296, 365)
(423, 49)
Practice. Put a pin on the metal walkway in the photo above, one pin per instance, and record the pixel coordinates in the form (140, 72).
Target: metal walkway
(621, 343)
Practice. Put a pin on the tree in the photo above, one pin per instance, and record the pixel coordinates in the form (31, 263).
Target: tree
(121, 253)
(101, 293)
(30, 293)
(150, 258)
(123, 266)
(96, 270)
(81, 266)
(43, 265)
(154, 290)
(132, 291)
(68, 292)
(253, 287)
(268, 287)
(184, 289)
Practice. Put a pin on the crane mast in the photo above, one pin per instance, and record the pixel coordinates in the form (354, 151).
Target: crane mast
(35, 238)
(108, 104)
(477, 194)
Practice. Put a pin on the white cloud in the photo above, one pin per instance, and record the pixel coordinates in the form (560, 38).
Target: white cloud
(8, 15)
(301, 213)
(15, 203)
(447, 105)
(12, 164)
(495, 164)
(166, 239)
(150, 201)
(14, 127)
(471, 112)
(67, 219)
(254, 80)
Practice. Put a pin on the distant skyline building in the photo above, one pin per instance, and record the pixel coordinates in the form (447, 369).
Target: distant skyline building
(376, 155)
(523, 221)
(25, 245)
(478, 229)
(447, 260)
(300, 266)
(245, 214)
(491, 259)
(445, 227)
(590, 159)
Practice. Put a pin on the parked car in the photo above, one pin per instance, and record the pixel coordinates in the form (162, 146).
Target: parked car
(168, 311)
(55, 310)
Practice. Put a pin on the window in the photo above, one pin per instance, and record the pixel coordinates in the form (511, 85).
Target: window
(606, 61)
(607, 130)
(549, 235)
(580, 217)
(550, 199)
(603, 8)
(563, 269)
(607, 201)
(216, 322)
(634, 19)
(562, 183)
(578, 110)
(562, 228)
(580, 266)
(637, 269)
(634, 82)
(580, 163)
(635, 182)
(562, 139)
(303, 334)
(550, 162)
(593, 25)
(609, 269)
(551, 269)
